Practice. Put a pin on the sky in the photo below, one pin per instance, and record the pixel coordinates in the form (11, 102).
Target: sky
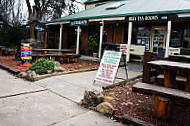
(25, 8)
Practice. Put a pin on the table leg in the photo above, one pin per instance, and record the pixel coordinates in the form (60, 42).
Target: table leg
(169, 78)
(187, 86)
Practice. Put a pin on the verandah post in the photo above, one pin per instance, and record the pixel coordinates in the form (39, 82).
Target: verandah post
(129, 41)
(78, 38)
(101, 38)
(168, 38)
(61, 35)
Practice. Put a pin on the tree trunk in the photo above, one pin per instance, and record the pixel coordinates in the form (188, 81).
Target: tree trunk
(32, 27)
(162, 108)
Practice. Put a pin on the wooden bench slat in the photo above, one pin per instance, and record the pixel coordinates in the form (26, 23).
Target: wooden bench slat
(150, 89)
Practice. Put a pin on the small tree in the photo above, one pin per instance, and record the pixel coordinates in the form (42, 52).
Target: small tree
(93, 43)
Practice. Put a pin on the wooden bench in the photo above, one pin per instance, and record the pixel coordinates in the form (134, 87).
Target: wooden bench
(166, 95)
(57, 57)
(137, 52)
(180, 81)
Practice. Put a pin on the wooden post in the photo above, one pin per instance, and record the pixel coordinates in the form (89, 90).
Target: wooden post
(168, 39)
(101, 39)
(61, 35)
(146, 68)
(169, 78)
(129, 40)
(187, 86)
(162, 108)
(78, 38)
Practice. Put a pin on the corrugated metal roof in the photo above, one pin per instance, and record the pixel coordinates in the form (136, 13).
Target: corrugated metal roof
(130, 8)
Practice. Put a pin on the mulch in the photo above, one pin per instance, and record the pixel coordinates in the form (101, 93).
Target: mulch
(79, 65)
(141, 106)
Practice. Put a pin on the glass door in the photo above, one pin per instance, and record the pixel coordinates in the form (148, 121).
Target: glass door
(158, 39)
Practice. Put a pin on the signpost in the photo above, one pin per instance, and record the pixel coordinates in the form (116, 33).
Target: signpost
(108, 67)
(26, 54)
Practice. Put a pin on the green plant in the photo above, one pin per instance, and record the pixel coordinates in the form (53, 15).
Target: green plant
(92, 42)
(41, 66)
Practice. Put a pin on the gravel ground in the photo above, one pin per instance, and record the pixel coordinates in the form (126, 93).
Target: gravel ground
(141, 106)
(79, 65)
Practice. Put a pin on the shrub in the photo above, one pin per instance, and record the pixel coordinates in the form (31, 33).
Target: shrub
(41, 66)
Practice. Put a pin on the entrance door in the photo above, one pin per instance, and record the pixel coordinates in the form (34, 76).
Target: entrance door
(158, 39)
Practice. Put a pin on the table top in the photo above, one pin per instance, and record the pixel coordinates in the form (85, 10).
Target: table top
(54, 50)
(166, 63)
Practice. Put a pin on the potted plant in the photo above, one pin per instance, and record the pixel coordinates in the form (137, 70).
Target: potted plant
(92, 42)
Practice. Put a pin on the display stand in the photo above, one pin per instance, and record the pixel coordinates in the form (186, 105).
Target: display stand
(108, 68)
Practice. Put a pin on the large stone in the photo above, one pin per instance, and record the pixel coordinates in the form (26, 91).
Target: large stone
(30, 75)
(49, 71)
(59, 69)
(92, 98)
(105, 108)
(57, 63)
(23, 74)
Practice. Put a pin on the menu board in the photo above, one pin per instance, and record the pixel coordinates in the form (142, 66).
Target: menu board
(108, 67)
(26, 52)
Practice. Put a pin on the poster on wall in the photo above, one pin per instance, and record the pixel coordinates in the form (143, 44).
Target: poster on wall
(26, 52)
(123, 48)
(138, 41)
(108, 67)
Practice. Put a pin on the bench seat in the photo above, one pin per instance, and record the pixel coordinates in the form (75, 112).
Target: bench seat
(170, 93)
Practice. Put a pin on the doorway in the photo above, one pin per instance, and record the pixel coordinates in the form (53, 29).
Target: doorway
(158, 39)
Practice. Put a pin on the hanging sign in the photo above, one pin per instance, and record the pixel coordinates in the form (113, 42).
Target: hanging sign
(108, 67)
(173, 51)
(26, 52)
(79, 23)
(123, 48)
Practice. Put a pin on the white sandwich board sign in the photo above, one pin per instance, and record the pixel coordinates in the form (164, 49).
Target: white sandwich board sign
(108, 67)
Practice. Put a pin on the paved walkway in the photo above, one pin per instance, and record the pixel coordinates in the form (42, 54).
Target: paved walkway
(51, 101)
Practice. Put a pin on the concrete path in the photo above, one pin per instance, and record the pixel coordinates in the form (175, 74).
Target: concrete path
(73, 86)
(51, 101)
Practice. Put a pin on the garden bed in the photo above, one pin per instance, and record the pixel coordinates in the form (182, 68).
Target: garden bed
(141, 106)
(80, 65)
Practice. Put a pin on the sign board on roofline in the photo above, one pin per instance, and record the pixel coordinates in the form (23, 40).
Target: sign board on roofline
(108, 67)
(79, 23)
(141, 18)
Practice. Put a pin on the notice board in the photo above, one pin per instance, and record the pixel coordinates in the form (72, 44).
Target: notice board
(108, 67)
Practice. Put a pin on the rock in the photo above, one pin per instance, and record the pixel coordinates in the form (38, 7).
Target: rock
(105, 108)
(30, 75)
(92, 98)
(57, 63)
(23, 74)
(49, 71)
(59, 69)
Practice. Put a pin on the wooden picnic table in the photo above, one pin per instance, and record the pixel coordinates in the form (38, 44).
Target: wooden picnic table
(181, 58)
(42, 51)
(170, 70)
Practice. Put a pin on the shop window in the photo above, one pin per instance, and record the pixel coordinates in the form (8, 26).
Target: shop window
(186, 38)
(141, 36)
(176, 38)
(105, 33)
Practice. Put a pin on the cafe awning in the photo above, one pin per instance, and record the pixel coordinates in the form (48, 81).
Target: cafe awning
(130, 8)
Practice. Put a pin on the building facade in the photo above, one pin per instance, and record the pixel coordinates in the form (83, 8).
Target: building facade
(159, 26)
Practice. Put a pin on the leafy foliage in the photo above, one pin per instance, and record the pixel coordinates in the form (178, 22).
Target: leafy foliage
(41, 66)
(93, 43)
(10, 36)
